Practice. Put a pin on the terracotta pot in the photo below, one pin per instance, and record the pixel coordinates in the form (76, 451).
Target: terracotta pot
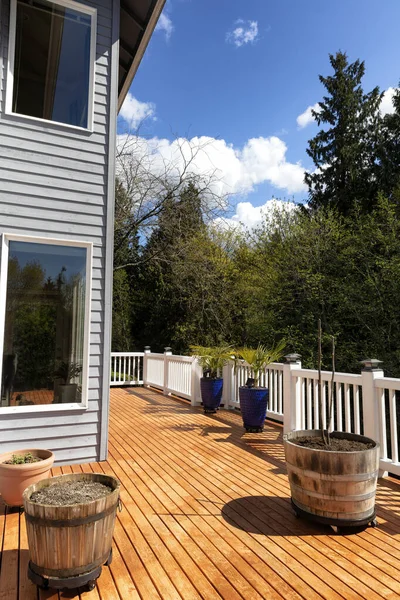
(14, 479)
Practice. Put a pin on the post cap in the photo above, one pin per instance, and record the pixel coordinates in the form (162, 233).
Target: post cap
(371, 364)
(147, 347)
(167, 350)
(292, 358)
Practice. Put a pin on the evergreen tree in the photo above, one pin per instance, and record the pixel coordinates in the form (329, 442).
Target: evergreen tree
(389, 150)
(344, 152)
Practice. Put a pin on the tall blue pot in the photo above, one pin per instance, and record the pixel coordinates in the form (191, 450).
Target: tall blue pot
(211, 393)
(253, 406)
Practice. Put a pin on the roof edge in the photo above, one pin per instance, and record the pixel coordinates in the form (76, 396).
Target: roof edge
(140, 51)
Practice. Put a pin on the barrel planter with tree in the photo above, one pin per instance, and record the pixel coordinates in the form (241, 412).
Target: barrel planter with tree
(333, 486)
(212, 360)
(69, 543)
(332, 475)
(254, 398)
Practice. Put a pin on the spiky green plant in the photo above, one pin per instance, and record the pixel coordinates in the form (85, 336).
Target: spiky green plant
(212, 358)
(259, 358)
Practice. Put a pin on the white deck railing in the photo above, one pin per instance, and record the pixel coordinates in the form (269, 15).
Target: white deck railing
(126, 368)
(365, 403)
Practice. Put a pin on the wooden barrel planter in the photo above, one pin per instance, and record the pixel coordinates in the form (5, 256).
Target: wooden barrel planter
(69, 544)
(333, 487)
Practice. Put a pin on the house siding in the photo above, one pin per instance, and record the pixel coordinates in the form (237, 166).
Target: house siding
(58, 182)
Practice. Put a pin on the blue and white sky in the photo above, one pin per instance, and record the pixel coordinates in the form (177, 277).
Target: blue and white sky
(240, 77)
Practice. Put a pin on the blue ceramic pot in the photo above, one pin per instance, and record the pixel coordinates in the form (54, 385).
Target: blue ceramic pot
(253, 406)
(211, 393)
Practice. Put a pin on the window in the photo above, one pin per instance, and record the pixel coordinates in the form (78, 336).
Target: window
(52, 54)
(44, 310)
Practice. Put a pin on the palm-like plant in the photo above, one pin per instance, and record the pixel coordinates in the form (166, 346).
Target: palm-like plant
(212, 358)
(68, 371)
(259, 358)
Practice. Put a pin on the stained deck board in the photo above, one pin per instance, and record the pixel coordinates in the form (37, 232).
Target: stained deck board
(206, 514)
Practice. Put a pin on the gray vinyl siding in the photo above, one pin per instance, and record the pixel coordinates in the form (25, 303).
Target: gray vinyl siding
(55, 182)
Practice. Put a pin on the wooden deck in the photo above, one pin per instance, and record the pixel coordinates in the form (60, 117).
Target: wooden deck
(206, 514)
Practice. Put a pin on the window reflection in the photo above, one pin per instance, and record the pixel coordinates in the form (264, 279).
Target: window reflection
(44, 324)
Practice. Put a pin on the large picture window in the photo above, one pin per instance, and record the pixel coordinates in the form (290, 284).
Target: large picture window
(52, 47)
(45, 336)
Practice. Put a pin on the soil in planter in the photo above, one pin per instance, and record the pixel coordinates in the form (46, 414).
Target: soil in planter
(71, 492)
(336, 445)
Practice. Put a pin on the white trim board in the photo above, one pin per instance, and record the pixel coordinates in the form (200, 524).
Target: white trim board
(9, 237)
(92, 12)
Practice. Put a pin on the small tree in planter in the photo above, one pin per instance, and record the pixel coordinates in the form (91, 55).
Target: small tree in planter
(253, 398)
(332, 476)
(67, 371)
(212, 359)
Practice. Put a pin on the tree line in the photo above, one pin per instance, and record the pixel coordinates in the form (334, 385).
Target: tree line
(181, 278)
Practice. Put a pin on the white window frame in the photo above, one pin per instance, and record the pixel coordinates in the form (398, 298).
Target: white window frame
(5, 247)
(92, 12)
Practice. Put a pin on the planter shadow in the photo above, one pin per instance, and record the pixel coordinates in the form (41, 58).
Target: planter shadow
(270, 516)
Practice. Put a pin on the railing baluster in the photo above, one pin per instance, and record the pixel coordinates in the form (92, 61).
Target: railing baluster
(316, 404)
(347, 408)
(331, 424)
(309, 404)
(339, 407)
(382, 415)
(357, 424)
(393, 426)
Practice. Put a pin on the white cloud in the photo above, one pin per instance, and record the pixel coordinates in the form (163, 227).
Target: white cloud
(248, 216)
(134, 112)
(164, 23)
(306, 118)
(386, 106)
(246, 32)
(234, 170)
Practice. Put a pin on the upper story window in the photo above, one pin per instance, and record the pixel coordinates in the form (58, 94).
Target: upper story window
(51, 66)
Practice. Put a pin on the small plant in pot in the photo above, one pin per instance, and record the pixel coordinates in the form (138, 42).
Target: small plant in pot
(253, 398)
(212, 360)
(21, 468)
(332, 475)
(67, 371)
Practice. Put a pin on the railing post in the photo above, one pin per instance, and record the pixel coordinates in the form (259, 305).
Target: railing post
(167, 352)
(291, 393)
(146, 352)
(229, 384)
(197, 372)
(372, 424)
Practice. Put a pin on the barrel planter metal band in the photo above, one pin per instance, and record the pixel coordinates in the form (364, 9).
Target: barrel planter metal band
(70, 522)
(70, 572)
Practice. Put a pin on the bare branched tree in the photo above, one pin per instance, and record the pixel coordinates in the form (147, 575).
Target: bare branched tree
(149, 175)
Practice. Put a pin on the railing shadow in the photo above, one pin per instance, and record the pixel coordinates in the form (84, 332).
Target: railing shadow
(154, 406)
(223, 427)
